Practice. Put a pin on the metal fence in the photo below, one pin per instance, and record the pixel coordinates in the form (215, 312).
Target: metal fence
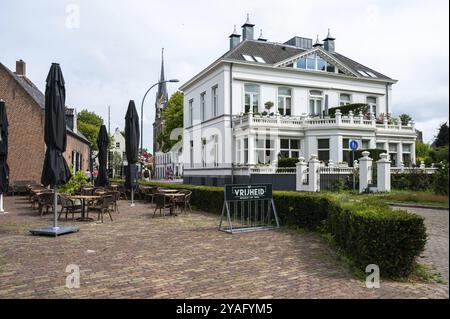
(336, 177)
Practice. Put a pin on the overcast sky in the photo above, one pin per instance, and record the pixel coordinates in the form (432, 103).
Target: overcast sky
(112, 54)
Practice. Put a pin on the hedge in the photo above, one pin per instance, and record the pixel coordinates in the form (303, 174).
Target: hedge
(345, 109)
(368, 232)
(391, 239)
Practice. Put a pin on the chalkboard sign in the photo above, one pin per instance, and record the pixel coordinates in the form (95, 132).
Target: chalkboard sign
(248, 192)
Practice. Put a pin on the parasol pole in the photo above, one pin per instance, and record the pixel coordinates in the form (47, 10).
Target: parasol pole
(55, 209)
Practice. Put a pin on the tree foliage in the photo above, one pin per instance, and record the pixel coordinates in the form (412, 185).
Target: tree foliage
(442, 137)
(405, 119)
(88, 123)
(173, 119)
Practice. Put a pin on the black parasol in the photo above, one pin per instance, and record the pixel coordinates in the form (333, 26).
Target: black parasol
(131, 146)
(102, 143)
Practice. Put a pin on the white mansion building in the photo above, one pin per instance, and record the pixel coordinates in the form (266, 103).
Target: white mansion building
(229, 121)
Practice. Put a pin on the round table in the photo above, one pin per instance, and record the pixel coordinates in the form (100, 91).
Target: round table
(83, 199)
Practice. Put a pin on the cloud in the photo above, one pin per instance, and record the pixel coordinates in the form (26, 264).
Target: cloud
(114, 55)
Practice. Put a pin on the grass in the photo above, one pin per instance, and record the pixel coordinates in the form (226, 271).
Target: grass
(396, 196)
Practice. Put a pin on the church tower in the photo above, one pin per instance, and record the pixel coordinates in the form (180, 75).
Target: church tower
(162, 98)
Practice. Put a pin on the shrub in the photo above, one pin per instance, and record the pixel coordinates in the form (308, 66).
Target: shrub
(440, 179)
(345, 109)
(415, 180)
(75, 182)
(375, 234)
(287, 161)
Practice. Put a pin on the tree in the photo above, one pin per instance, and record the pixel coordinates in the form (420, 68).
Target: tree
(88, 123)
(116, 161)
(405, 119)
(442, 137)
(173, 119)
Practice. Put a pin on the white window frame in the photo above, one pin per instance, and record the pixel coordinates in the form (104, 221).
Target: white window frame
(290, 149)
(263, 149)
(284, 100)
(191, 112)
(203, 105)
(345, 102)
(315, 98)
(215, 139)
(215, 100)
(252, 97)
(324, 149)
(191, 152)
(373, 107)
(203, 144)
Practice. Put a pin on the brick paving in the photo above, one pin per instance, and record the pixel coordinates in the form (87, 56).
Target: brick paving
(138, 256)
(436, 250)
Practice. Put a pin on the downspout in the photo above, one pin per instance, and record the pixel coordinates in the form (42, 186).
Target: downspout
(231, 123)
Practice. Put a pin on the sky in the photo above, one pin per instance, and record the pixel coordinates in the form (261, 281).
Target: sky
(110, 51)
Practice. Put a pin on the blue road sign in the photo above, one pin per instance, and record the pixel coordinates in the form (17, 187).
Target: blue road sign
(354, 145)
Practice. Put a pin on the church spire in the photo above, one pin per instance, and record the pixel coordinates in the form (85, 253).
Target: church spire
(162, 87)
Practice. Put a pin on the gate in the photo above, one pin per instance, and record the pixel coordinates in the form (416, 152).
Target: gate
(332, 177)
(248, 208)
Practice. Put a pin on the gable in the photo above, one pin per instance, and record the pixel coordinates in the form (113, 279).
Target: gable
(319, 60)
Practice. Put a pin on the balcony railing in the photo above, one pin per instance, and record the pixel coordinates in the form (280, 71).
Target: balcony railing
(307, 121)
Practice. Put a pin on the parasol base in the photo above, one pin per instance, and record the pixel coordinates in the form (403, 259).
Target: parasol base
(54, 231)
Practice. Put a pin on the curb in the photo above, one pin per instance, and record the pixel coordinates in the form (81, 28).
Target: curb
(417, 206)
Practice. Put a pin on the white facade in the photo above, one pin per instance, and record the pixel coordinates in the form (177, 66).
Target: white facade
(222, 131)
(168, 162)
(118, 147)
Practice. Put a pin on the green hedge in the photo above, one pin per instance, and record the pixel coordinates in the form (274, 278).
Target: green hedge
(368, 232)
(371, 234)
(287, 161)
(345, 109)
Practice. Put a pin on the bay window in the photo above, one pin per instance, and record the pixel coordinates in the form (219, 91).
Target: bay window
(264, 150)
(406, 154)
(372, 103)
(289, 147)
(393, 154)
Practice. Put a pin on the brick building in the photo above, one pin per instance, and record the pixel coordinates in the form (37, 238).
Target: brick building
(25, 106)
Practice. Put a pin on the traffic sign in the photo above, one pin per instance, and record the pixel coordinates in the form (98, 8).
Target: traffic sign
(353, 145)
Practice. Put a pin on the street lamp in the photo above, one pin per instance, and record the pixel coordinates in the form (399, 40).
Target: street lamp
(142, 112)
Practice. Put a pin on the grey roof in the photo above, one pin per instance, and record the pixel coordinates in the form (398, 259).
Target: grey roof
(273, 53)
(34, 92)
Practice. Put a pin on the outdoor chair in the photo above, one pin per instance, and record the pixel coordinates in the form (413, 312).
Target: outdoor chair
(123, 191)
(115, 198)
(45, 200)
(69, 206)
(105, 207)
(183, 202)
(150, 194)
(162, 202)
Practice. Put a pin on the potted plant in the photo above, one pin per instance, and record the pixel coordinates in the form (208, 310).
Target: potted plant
(268, 105)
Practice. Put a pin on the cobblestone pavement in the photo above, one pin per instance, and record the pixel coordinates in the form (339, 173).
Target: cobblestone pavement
(137, 256)
(436, 250)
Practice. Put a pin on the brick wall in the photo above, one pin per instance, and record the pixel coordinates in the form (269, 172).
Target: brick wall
(77, 145)
(26, 130)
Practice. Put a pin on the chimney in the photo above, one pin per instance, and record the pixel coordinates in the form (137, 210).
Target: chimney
(235, 38)
(328, 43)
(21, 68)
(70, 118)
(247, 29)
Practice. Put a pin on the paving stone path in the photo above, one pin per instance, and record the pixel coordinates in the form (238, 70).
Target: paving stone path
(137, 256)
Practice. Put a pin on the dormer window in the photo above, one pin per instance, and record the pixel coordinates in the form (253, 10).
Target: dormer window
(314, 62)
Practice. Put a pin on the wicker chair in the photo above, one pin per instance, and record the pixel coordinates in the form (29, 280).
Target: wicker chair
(183, 202)
(102, 206)
(162, 202)
(45, 200)
(69, 206)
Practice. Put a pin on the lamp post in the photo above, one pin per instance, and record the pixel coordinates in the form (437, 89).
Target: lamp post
(142, 113)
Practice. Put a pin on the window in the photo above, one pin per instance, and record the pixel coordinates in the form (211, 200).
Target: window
(245, 150)
(344, 99)
(380, 146)
(117, 144)
(190, 112)
(216, 150)
(393, 154)
(202, 105)
(284, 101)
(315, 102)
(251, 98)
(314, 62)
(264, 150)
(371, 74)
(406, 154)
(191, 153)
(372, 103)
(347, 155)
(215, 101)
(238, 151)
(248, 58)
(203, 152)
(259, 59)
(289, 147)
(323, 148)
(365, 144)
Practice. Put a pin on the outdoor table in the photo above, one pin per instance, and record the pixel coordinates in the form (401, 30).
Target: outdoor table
(114, 187)
(168, 191)
(83, 199)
